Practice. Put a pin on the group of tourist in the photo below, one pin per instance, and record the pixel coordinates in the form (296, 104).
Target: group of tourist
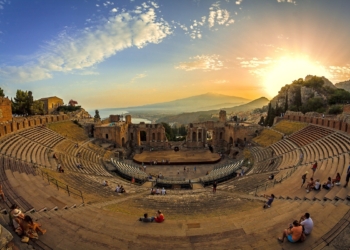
(120, 189)
(60, 168)
(159, 217)
(24, 225)
(158, 191)
(298, 230)
(316, 185)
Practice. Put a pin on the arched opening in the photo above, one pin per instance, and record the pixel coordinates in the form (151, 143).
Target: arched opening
(123, 141)
(5, 128)
(131, 136)
(143, 136)
(199, 136)
(158, 136)
(220, 136)
(153, 136)
(106, 136)
(194, 136)
(231, 140)
(17, 126)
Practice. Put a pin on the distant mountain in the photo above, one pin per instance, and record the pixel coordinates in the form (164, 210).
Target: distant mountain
(343, 85)
(190, 104)
(211, 115)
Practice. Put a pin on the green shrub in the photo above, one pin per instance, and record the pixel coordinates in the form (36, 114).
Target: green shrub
(335, 109)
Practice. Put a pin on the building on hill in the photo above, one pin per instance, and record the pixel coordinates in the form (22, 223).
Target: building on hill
(5, 109)
(51, 103)
(124, 133)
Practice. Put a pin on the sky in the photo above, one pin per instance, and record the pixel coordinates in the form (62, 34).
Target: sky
(121, 53)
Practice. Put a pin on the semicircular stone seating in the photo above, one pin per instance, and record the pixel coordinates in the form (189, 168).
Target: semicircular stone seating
(232, 218)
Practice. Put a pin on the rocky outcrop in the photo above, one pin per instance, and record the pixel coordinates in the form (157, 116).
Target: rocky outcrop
(292, 92)
(343, 85)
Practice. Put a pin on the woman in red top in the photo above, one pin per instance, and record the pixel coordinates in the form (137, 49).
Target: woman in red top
(336, 180)
(159, 217)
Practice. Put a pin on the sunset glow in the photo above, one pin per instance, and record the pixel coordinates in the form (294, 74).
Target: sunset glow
(133, 52)
(286, 69)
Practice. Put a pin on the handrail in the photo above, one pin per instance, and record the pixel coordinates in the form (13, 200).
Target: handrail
(59, 184)
(272, 184)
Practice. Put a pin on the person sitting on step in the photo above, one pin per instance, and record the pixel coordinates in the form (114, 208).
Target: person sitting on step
(146, 218)
(310, 185)
(163, 191)
(336, 181)
(327, 185)
(307, 223)
(317, 186)
(117, 189)
(293, 233)
(159, 217)
(157, 191)
(269, 200)
(105, 183)
(31, 228)
(2, 193)
(122, 190)
(271, 176)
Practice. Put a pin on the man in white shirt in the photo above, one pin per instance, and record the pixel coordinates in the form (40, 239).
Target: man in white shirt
(307, 223)
(163, 191)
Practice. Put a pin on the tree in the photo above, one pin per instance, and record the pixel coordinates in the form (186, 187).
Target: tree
(168, 132)
(2, 94)
(20, 103)
(38, 108)
(262, 121)
(182, 130)
(335, 110)
(97, 115)
(339, 96)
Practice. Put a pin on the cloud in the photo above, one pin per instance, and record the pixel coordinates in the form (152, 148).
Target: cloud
(218, 16)
(339, 73)
(255, 62)
(138, 76)
(238, 2)
(114, 10)
(286, 1)
(203, 62)
(90, 47)
(220, 81)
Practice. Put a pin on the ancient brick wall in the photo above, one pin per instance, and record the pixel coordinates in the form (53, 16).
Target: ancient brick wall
(5, 109)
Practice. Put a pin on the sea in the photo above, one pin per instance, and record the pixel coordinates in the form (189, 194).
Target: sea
(105, 113)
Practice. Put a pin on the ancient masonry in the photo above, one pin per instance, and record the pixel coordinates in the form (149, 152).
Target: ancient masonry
(216, 134)
(125, 133)
(5, 109)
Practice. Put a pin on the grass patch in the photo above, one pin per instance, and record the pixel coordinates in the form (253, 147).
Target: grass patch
(69, 130)
(267, 137)
(288, 127)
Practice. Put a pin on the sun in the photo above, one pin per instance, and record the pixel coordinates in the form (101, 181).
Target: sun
(287, 69)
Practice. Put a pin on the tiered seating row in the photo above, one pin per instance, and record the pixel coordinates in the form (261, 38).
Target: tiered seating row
(309, 134)
(290, 159)
(128, 171)
(291, 188)
(70, 148)
(282, 147)
(25, 150)
(266, 166)
(43, 136)
(71, 163)
(222, 172)
(261, 154)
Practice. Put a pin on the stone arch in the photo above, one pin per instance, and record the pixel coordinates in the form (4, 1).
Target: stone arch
(159, 137)
(5, 128)
(199, 136)
(143, 135)
(220, 136)
(153, 136)
(194, 136)
(17, 126)
(123, 141)
(231, 140)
